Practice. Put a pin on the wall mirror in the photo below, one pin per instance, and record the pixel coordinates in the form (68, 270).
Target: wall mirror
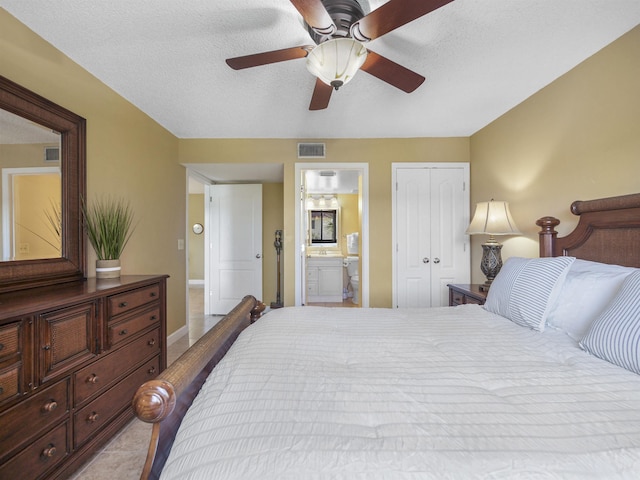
(42, 157)
(323, 227)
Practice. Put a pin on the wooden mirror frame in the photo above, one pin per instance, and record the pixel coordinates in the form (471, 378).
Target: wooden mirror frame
(20, 274)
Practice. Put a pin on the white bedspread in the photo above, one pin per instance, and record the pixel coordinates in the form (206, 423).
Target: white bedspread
(448, 393)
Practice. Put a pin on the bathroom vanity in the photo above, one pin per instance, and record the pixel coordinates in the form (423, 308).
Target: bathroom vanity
(324, 278)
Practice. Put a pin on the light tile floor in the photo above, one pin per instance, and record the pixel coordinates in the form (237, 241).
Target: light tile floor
(123, 457)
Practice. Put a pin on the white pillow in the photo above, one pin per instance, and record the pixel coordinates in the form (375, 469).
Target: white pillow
(525, 289)
(615, 334)
(587, 289)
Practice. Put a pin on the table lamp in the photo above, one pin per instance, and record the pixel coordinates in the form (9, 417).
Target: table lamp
(492, 218)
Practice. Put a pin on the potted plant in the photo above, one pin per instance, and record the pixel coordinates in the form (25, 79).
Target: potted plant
(108, 223)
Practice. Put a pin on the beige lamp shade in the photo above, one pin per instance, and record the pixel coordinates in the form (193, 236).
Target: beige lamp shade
(493, 218)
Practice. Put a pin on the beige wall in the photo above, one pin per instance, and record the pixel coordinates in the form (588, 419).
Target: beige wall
(196, 242)
(349, 217)
(128, 155)
(576, 139)
(379, 153)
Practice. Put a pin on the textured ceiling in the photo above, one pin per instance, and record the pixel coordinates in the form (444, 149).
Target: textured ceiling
(480, 57)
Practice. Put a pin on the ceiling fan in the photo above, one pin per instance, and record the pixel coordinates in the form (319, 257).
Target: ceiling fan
(340, 29)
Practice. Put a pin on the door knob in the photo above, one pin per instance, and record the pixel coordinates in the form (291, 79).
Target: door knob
(425, 260)
(258, 255)
(436, 260)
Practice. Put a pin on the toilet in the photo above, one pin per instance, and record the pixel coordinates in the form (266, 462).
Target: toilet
(352, 263)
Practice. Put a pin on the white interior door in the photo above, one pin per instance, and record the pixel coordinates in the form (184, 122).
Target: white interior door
(413, 207)
(235, 247)
(431, 212)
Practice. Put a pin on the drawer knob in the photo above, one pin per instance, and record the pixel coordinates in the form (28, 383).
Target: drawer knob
(93, 417)
(1, 390)
(152, 370)
(1, 346)
(93, 379)
(123, 304)
(123, 332)
(152, 294)
(50, 406)
(47, 347)
(50, 451)
(153, 318)
(151, 342)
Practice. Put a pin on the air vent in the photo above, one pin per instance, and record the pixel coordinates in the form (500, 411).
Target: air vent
(51, 154)
(311, 150)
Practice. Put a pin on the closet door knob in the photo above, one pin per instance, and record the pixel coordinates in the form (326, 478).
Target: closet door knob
(258, 255)
(425, 260)
(436, 260)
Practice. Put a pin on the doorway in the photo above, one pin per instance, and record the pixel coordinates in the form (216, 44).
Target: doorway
(326, 188)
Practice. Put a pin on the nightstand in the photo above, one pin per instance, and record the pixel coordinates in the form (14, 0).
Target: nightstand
(462, 294)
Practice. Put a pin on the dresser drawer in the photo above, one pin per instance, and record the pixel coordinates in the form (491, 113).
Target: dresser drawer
(101, 374)
(90, 419)
(125, 329)
(312, 274)
(9, 340)
(473, 300)
(125, 302)
(42, 455)
(10, 381)
(33, 415)
(457, 298)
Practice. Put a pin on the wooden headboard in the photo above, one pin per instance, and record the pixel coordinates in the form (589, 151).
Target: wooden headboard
(608, 231)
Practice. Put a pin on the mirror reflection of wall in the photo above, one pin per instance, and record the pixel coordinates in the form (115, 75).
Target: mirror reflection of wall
(31, 189)
(37, 217)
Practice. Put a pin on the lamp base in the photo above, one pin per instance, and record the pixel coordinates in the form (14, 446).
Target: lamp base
(491, 263)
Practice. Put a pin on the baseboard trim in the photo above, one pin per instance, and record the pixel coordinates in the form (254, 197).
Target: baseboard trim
(178, 334)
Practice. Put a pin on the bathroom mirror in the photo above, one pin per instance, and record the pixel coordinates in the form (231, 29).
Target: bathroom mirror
(60, 148)
(323, 227)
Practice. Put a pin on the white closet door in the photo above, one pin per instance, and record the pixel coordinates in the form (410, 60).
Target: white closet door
(431, 215)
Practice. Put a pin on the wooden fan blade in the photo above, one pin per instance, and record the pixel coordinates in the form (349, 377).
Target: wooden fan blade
(391, 72)
(315, 15)
(265, 58)
(321, 96)
(391, 15)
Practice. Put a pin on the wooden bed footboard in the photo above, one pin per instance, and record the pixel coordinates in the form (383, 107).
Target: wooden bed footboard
(165, 400)
(608, 231)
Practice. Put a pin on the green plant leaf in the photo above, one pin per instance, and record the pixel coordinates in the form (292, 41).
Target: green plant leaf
(108, 223)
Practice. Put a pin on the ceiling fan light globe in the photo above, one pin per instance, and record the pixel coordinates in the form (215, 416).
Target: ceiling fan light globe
(336, 61)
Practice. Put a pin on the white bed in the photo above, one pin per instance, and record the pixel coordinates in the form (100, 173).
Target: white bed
(441, 393)
(542, 382)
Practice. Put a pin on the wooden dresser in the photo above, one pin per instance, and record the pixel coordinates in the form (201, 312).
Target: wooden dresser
(71, 358)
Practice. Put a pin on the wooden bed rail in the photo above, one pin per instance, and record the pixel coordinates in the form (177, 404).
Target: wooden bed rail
(164, 400)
